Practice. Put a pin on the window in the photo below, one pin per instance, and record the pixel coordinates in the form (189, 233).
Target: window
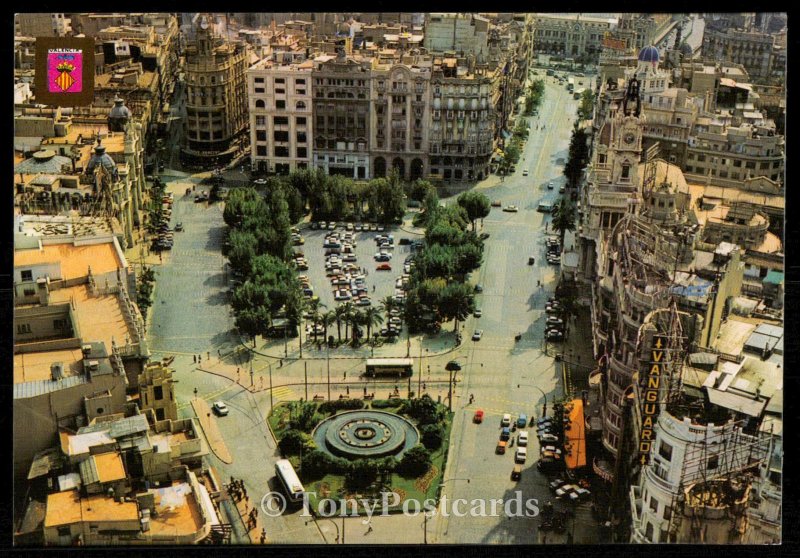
(260, 103)
(750, 165)
(300, 81)
(626, 170)
(280, 91)
(281, 151)
(667, 512)
(280, 80)
(713, 462)
(158, 393)
(300, 120)
(300, 105)
(280, 105)
(302, 152)
(737, 162)
(261, 135)
(23, 328)
(261, 120)
(653, 505)
(281, 120)
(60, 324)
(29, 292)
(261, 150)
(280, 135)
(27, 274)
(259, 90)
(648, 532)
(259, 80)
(301, 137)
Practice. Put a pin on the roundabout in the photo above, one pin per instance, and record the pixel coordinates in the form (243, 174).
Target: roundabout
(365, 434)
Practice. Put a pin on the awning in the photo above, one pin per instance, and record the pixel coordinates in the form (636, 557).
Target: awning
(575, 443)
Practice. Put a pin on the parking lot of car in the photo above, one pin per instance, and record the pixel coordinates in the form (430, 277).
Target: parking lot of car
(354, 266)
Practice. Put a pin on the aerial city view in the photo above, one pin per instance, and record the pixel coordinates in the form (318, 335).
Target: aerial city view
(398, 278)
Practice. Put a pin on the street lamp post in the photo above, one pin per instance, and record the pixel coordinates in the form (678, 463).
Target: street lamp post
(544, 395)
(270, 387)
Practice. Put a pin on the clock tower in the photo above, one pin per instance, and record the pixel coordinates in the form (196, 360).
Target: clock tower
(626, 143)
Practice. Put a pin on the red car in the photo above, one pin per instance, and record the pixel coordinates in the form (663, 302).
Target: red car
(478, 418)
(384, 267)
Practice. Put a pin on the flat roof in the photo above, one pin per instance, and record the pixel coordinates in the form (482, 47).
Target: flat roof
(109, 466)
(75, 260)
(732, 335)
(99, 318)
(65, 508)
(178, 511)
(34, 367)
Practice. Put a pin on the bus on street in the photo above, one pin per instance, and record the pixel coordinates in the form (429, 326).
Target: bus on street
(289, 480)
(389, 367)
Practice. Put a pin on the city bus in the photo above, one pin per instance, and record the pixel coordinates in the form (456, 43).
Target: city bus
(389, 366)
(289, 480)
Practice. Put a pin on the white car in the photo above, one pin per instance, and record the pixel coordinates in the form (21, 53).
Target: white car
(525, 172)
(522, 438)
(506, 421)
(521, 455)
(549, 185)
(220, 408)
(511, 208)
(549, 438)
(478, 313)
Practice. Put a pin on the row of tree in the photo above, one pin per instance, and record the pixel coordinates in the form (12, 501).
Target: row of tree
(438, 290)
(513, 150)
(586, 108)
(259, 251)
(533, 97)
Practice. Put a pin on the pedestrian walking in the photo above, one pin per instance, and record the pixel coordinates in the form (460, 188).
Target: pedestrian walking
(208, 355)
(194, 359)
(281, 363)
(237, 370)
(369, 529)
(348, 390)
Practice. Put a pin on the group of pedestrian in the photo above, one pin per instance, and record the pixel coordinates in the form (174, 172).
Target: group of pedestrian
(251, 519)
(236, 490)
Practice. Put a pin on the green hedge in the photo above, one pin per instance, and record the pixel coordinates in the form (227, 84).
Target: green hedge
(341, 405)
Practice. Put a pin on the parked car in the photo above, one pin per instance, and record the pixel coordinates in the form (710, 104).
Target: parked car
(522, 438)
(511, 208)
(478, 417)
(506, 420)
(178, 226)
(220, 408)
(505, 433)
(554, 335)
(521, 455)
(546, 437)
(478, 288)
(554, 321)
(384, 267)
(562, 189)
(525, 172)
(501, 447)
(477, 335)
(550, 186)
(496, 203)
(478, 313)
(522, 420)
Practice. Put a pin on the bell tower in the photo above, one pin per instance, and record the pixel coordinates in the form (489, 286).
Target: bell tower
(626, 144)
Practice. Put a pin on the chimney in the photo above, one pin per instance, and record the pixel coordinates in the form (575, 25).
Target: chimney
(86, 349)
(57, 371)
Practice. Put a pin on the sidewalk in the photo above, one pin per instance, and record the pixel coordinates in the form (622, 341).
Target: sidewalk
(208, 423)
(248, 511)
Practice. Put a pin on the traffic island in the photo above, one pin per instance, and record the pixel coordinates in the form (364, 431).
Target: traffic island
(354, 455)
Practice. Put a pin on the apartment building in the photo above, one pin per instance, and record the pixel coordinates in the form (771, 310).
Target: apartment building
(216, 97)
(572, 35)
(341, 88)
(400, 99)
(754, 50)
(42, 24)
(280, 106)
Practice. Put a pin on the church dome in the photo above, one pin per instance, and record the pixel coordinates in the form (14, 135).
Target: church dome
(100, 157)
(119, 110)
(649, 54)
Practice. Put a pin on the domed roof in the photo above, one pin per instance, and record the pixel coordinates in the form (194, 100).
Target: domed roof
(100, 157)
(648, 54)
(119, 110)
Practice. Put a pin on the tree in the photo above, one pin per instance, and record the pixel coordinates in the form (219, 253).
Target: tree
(388, 304)
(295, 442)
(419, 190)
(361, 473)
(511, 154)
(316, 464)
(424, 410)
(243, 246)
(432, 436)
(340, 313)
(415, 462)
(303, 416)
(563, 217)
(328, 319)
(577, 158)
(587, 105)
(314, 306)
(456, 302)
(372, 317)
(476, 204)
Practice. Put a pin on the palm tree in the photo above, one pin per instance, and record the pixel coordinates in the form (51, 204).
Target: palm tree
(328, 319)
(388, 304)
(347, 317)
(372, 317)
(564, 217)
(339, 314)
(356, 320)
(313, 307)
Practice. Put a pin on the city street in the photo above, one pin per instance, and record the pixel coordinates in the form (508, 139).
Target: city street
(191, 316)
(503, 375)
